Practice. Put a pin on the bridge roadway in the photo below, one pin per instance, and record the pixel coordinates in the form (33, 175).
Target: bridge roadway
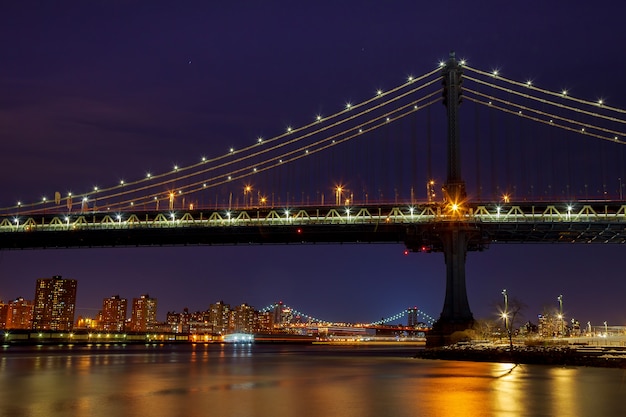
(418, 226)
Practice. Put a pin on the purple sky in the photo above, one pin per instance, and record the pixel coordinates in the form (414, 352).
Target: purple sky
(91, 92)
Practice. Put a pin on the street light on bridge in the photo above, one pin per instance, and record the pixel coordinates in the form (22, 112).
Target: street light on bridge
(338, 195)
(247, 190)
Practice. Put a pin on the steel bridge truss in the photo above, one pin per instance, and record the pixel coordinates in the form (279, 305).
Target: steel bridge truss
(417, 226)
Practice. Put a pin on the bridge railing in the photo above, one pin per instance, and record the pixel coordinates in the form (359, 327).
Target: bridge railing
(586, 212)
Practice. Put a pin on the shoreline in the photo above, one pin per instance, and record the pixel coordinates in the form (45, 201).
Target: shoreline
(530, 355)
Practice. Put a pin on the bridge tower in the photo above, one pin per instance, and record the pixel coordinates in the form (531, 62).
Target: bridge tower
(454, 235)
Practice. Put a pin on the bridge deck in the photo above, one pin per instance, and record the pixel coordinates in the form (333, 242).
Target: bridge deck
(417, 226)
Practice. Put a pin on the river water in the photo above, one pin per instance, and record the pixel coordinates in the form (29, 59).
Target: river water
(291, 380)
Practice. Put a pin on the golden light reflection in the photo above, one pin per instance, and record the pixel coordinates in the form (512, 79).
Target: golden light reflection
(563, 391)
(509, 393)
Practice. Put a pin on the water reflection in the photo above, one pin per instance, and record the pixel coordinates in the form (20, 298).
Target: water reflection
(280, 381)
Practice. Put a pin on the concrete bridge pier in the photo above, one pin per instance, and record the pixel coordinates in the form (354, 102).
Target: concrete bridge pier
(456, 314)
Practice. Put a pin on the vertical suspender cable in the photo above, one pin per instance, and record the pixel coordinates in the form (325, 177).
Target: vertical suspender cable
(413, 158)
(477, 149)
(492, 140)
(429, 151)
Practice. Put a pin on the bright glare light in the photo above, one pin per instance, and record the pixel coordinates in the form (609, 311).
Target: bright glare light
(410, 78)
(455, 206)
(462, 62)
(148, 175)
(495, 73)
(564, 92)
(379, 92)
(600, 102)
(569, 208)
(175, 167)
(204, 159)
(232, 150)
(318, 117)
(95, 188)
(348, 106)
(121, 182)
(529, 83)
(289, 129)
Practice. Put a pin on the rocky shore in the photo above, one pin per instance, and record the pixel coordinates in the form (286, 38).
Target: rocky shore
(541, 355)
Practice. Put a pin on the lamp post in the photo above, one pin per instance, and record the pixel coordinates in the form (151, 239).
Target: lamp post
(560, 299)
(338, 195)
(505, 316)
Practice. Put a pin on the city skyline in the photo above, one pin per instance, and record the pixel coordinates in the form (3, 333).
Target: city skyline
(114, 315)
(93, 94)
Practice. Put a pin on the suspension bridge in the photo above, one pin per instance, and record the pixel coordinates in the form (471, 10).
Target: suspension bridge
(545, 167)
(301, 317)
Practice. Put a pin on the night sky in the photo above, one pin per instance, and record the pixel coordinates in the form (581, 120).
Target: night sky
(92, 92)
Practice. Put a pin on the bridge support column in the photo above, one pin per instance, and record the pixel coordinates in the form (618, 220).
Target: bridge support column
(456, 314)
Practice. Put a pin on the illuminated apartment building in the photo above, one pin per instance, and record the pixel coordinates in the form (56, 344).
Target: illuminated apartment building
(55, 304)
(244, 319)
(219, 317)
(113, 314)
(4, 309)
(19, 314)
(144, 313)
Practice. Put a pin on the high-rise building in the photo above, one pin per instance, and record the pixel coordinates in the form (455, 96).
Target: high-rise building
(219, 317)
(113, 314)
(144, 314)
(19, 314)
(282, 315)
(179, 322)
(245, 319)
(4, 310)
(55, 304)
